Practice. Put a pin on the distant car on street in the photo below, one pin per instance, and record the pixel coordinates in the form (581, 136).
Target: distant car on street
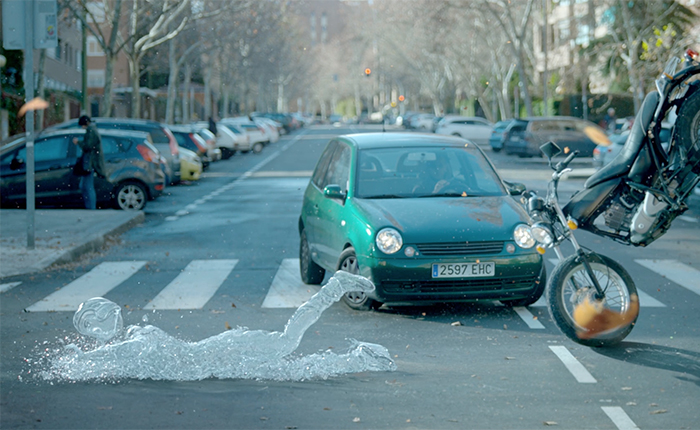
(498, 134)
(475, 129)
(131, 161)
(425, 217)
(525, 136)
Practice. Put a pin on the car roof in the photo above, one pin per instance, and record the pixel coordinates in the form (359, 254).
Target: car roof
(389, 139)
(20, 139)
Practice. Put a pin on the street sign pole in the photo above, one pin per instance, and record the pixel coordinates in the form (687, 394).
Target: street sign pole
(29, 119)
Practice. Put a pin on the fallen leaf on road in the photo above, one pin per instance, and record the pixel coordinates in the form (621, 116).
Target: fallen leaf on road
(226, 324)
(456, 323)
(626, 388)
(550, 423)
(233, 305)
(356, 420)
(658, 411)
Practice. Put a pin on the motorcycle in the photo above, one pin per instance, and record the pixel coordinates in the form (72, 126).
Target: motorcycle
(633, 200)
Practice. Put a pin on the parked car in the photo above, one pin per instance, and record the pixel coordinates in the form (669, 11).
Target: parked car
(604, 154)
(213, 152)
(187, 138)
(270, 129)
(228, 139)
(475, 129)
(161, 137)
(190, 165)
(240, 139)
(255, 133)
(525, 136)
(498, 134)
(131, 161)
(422, 122)
(380, 205)
(289, 124)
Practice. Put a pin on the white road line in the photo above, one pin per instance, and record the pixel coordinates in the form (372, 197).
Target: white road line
(8, 286)
(97, 282)
(645, 300)
(528, 317)
(287, 289)
(683, 275)
(573, 365)
(193, 288)
(618, 416)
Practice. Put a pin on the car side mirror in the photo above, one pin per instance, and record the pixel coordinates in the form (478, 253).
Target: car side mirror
(334, 191)
(515, 188)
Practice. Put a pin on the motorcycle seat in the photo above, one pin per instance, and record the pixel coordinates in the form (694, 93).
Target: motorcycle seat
(622, 163)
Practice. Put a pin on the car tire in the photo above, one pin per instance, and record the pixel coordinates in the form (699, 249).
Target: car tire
(311, 273)
(495, 149)
(258, 147)
(535, 296)
(356, 300)
(130, 196)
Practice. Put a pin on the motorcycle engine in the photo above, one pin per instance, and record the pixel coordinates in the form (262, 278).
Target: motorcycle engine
(646, 219)
(618, 216)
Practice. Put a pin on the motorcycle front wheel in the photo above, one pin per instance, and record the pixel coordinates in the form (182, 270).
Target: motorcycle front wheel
(570, 285)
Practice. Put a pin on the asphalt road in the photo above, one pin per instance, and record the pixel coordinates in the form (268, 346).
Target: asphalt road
(481, 366)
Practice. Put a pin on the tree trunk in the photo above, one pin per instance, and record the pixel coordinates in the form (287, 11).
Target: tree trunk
(134, 66)
(186, 94)
(280, 94)
(172, 84)
(207, 91)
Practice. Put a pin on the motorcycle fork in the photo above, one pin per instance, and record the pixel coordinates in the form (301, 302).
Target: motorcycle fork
(582, 257)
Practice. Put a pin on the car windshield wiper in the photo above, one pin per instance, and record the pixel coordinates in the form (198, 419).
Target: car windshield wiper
(385, 196)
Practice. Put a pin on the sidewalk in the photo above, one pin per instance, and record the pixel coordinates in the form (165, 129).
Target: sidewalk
(60, 236)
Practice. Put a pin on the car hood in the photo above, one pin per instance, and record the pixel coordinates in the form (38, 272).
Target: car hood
(445, 219)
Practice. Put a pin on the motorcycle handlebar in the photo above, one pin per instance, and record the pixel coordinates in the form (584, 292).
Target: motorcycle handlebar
(563, 164)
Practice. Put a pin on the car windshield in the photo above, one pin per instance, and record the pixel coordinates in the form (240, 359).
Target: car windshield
(424, 172)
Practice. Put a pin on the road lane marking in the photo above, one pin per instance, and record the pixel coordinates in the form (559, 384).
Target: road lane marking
(8, 286)
(96, 283)
(287, 289)
(194, 286)
(645, 300)
(526, 316)
(573, 365)
(681, 274)
(618, 416)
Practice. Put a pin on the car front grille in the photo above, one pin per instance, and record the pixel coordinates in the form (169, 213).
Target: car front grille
(461, 285)
(461, 248)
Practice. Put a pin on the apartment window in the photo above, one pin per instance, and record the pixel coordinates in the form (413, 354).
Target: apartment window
(79, 60)
(57, 50)
(96, 78)
(93, 47)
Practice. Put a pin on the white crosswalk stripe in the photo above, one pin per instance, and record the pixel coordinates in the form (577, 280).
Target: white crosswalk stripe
(287, 289)
(97, 282)
(681, 274)
(193, 288)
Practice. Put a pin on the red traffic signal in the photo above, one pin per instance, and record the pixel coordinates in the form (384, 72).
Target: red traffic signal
(367, 71)
(402, 98)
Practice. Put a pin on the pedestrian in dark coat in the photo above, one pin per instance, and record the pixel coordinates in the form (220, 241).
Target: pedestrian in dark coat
(212, 125)
(92, 161)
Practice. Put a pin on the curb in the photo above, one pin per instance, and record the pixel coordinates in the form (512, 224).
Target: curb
(95, 243)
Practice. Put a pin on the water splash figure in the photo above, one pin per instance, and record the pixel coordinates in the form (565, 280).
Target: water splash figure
(149, 353)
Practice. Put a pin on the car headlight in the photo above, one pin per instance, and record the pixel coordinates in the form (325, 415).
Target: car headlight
(523, 236)
(542, 234)
(389, 241)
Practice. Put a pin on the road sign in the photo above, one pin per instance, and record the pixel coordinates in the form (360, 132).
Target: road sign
(45, 19)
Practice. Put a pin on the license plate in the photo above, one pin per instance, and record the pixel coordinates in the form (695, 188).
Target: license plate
(464, 270)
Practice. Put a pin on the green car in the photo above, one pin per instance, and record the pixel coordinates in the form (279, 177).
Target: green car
(425, 217)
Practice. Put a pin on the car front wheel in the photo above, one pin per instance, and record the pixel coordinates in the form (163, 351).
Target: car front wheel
(356, 300)
(130, 196)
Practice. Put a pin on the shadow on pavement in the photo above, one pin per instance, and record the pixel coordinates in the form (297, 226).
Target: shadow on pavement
(657, 356)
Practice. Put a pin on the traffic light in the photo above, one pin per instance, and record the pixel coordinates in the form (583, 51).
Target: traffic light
(402, 98)
(368, 72)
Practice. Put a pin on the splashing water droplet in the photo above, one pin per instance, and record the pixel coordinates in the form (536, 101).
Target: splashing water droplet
(98, 318)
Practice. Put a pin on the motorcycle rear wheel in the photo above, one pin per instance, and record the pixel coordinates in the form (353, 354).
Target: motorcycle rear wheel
(563, 295)
(687, 129)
